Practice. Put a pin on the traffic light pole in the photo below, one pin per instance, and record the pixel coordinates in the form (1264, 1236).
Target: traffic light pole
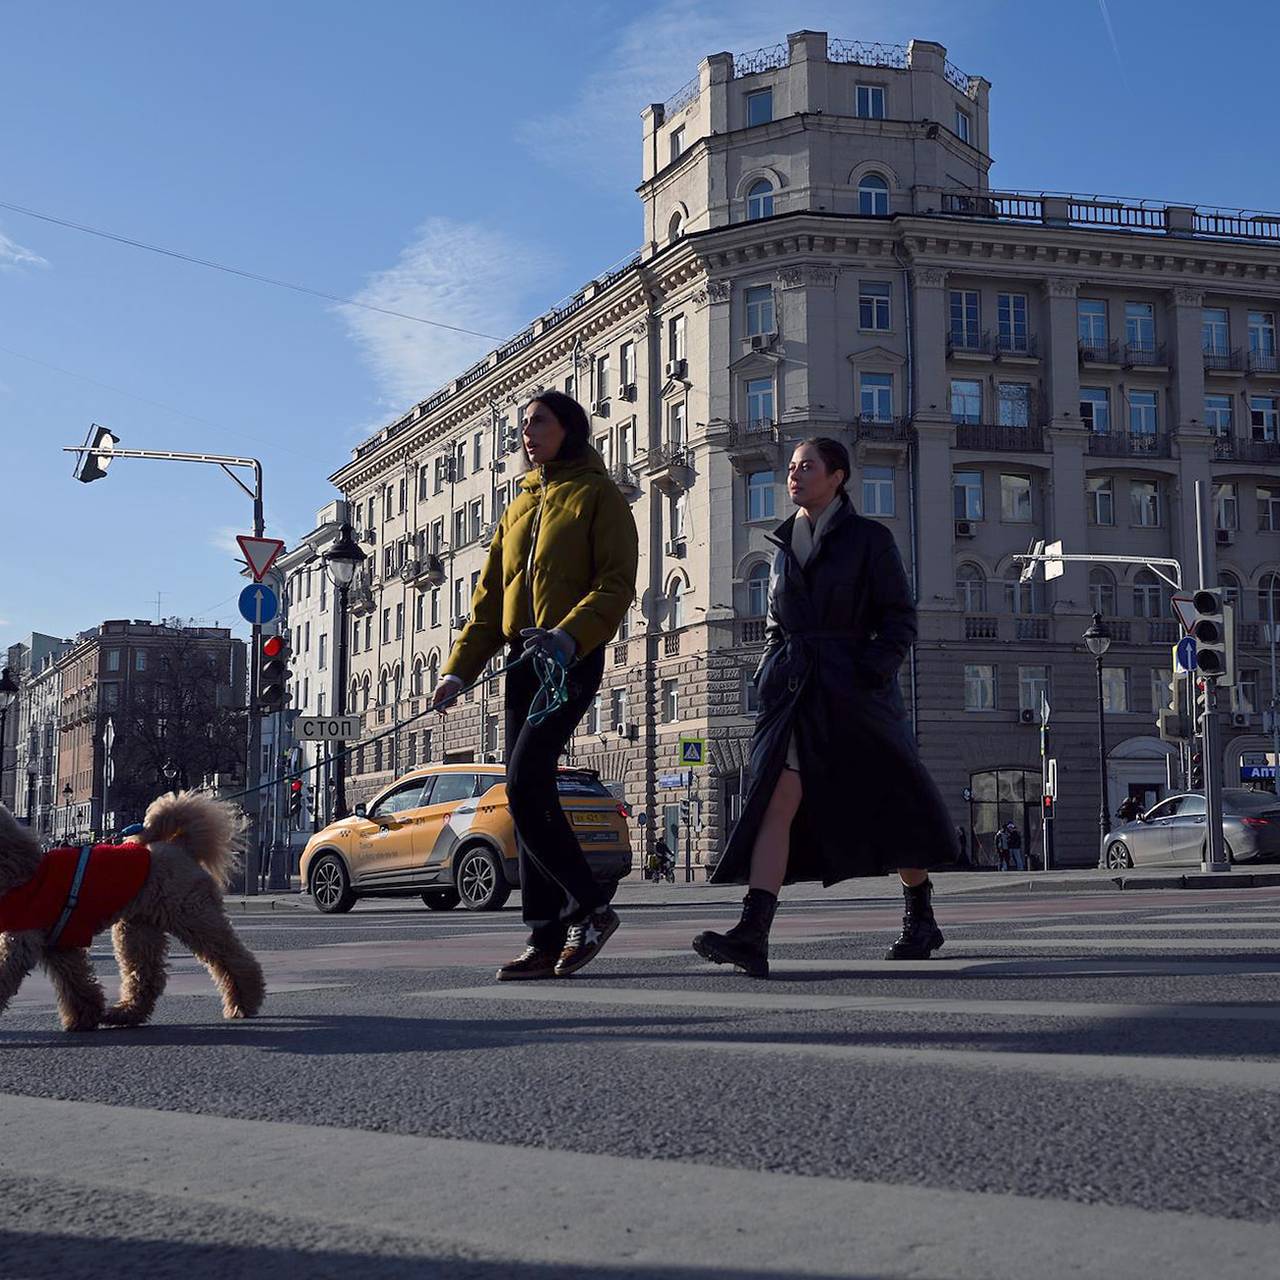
(1215, 851)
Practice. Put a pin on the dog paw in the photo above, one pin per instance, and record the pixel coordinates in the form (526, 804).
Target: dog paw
(121, 1016)
(80, 1024)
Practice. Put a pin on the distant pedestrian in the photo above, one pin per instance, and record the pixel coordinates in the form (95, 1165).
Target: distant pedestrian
(1002, 848)
(1014, 843)
(1130, 808)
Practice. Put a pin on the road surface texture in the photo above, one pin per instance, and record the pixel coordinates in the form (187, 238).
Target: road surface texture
(1084, 1083)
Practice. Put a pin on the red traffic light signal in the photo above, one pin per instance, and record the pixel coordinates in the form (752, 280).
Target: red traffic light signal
(273, 674)
(295, 786)
(273, 646)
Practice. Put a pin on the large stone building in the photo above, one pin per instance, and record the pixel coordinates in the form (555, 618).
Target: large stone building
(823, 255)
(29, 789)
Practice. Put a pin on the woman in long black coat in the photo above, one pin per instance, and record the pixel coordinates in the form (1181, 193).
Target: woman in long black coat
(837, 788)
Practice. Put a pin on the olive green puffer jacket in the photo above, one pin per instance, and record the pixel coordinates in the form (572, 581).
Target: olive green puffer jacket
(564, 555)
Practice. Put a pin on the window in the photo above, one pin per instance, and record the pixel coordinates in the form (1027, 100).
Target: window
(617, 707)
(1015, 499)
(1091, 322)
(1226, 506)
(758, 591)
(965, 318)
(971, 589)
(388, 561)
(1262, 334)
(388, 503)
(437, 535)
(460, 527)
(477, 517)
(877, 491)
(759, 302)
(1011, 319)
(873, 304)
(570, 384)
(759, 401)
(110, 696)
(676, 604)
(1144, 500)
(459, 608)
(1102, 592)
(760, 488)
(675, 338)
(140, 660)
(368, 632)
(1115, 690)
(1268, 510)
(1217, 414)
(1244, 696)
(627, 443)
(113, 659)
(875, 397)
(873, 196)
(759, 107)
(1023, 598)
(602, 377)
(979, 687)
(424, 482)
(1101, 500)
(355, 637)
(677, 143)
(1161, 682)
(1033, 688)
(1140, 326)
(435, 606)
(386, 625)
(628, 364)
(670, 701)
(408, 795)
(966, 401)
(1214, 331)
(382, 689)
(967, 490)
(760, 200)
(675, 423)
(400, 620)
(1262, 417)
(322, 654)
(1269, 597)
(868, 101)
(306, 636)
(1230, 586)
(593, 713)
(603, 449)
(453, 787)
(750, 695)
(1148, 595)
(1013, 404)
(441, 473)
(962, 125)
(1142, 413)
(369, 521)
(460, 460)
(477, 451)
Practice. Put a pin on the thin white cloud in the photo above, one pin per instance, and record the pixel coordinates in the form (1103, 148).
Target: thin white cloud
(460, 273)
(1115, 44)
(598, 133)
(224, 539)
(14, 256)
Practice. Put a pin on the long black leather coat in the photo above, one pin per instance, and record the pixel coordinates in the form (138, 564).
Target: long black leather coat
(838, 632)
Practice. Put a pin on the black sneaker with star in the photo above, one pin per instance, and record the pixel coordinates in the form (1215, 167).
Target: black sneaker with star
(585, 941)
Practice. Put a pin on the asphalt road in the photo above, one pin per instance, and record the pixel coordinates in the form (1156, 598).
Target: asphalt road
(1083, 1084)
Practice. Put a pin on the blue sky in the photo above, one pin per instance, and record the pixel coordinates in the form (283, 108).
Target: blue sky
(467, 163)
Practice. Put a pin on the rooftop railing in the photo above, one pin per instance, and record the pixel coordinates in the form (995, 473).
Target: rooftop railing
(770, 58)
(864, 53)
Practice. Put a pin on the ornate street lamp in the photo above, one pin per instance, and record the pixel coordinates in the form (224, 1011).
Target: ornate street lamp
(1098, 640)
(342, 560)
(67, 793)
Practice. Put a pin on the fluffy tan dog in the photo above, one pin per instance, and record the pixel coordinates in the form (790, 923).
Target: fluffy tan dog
(193, 842)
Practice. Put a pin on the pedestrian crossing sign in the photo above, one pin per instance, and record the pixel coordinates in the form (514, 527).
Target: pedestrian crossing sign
(693, 751)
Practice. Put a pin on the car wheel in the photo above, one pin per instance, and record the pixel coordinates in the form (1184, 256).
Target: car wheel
(331, 886)
(441, 899)
(1118, 856)
(479, 880)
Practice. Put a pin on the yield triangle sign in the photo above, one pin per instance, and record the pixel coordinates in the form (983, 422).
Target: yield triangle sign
(1184, 609)
(259, 553)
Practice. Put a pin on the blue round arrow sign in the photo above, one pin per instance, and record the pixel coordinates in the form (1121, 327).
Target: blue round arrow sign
(258, 603)
(1187, 653)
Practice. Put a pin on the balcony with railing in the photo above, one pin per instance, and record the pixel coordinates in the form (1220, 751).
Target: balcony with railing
(1119, 629)
(1238, 449)
(1017, 346)
(751, 630)
(994, 437)
(1266, 363)
(626, 478)
(671, 467)
(1130, 444)
(981, 626)
(971, 344)
(1144, 355)
(1106, 352)
(1223, 360)
(874, 430)
(1163, 631)
(1030, 627)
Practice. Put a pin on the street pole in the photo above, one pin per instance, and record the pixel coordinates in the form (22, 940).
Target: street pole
(1274, 707)
(1104, 816)
(1215, 851)
(339, 755)
(688, 828)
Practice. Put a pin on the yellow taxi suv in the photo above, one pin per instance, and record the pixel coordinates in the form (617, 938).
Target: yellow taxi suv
(444, 832)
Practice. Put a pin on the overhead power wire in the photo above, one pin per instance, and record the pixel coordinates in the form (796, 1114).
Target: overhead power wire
(237, 271)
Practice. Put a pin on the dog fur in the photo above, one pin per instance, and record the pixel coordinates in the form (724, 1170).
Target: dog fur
(195, 842)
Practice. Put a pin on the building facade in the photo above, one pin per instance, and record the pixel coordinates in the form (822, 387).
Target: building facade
(35, 738)
(824, 256)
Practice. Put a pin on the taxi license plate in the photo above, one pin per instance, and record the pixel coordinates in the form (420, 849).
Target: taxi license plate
(590, 820)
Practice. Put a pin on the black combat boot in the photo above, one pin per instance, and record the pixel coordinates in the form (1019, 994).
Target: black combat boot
(747, 943)
(920, 935)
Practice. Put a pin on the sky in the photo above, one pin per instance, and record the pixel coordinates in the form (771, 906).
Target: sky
(467, 164)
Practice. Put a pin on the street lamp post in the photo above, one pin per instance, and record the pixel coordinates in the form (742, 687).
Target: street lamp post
(66, 811)
(1098, 640)
(8, 693)
(342, 560)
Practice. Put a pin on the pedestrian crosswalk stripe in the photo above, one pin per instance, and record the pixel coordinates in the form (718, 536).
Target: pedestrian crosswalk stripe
(1180, 926)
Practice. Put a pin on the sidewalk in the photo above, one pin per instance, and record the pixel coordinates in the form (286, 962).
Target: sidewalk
(635, 892)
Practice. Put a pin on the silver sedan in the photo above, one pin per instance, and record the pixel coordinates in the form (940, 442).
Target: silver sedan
(1173, 832)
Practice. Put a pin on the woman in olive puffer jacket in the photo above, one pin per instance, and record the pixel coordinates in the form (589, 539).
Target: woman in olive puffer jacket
(560, 575)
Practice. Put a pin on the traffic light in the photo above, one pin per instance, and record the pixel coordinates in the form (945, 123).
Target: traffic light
(1214, 632)
(684, 813)
(1197, 770)
(92, 464)
(273, 674)
(295, 799)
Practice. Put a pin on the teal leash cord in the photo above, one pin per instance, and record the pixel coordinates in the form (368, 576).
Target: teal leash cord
(553, 691)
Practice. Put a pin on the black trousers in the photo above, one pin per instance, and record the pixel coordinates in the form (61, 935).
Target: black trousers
(556, 885)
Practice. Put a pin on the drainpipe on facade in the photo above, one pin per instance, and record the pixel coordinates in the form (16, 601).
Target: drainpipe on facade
(653, 631)
(912, 505)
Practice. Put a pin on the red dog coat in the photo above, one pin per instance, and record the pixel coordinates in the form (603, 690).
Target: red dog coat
(70, 903)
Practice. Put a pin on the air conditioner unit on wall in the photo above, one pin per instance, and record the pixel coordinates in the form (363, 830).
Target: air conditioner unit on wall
(1224, 537)
(1026, 716)
(1240, 719)
(966, 529)
(625, 729)
(763, 341)
(627, 391)
(676, 548)
(676, 368)
(601, 408)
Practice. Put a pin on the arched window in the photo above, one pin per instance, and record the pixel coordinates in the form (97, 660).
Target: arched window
(971, 588)
(1269, 597)
(433, 670)
(415, 681)
(1148, 595)
(674, 227)
(1102, 592)
(758, 591)
(676, 600)
(382, 687)
(397, 682)
(760, 200)
(364, 692)
(873, 196)
(1229, 585)
(353, 702)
